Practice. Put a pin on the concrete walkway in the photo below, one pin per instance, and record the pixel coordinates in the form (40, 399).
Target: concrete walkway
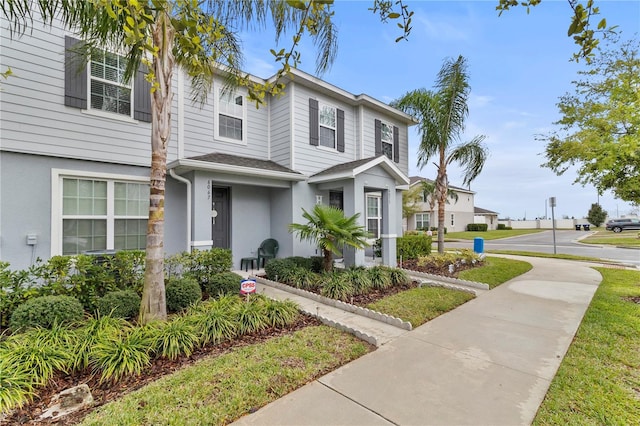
(489, 361)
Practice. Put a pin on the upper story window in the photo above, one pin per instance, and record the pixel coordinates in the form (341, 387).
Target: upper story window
(231, 116)
(386, 137)
(108, 91)
(327, 126)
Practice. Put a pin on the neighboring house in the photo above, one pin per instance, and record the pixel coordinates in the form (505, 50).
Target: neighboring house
(486, 216)
(75, 155)
(457, 213)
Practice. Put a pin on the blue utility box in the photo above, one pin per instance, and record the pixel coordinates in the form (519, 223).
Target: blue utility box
(478, 245)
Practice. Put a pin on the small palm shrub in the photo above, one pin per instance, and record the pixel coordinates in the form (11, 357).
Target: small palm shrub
(337, 285)
(182, 293)
(119, 304)
(16, 386)
(122, 354)
(280, 313)
(174, 338)
(223, 283)
(44, 311)
(360, 280)
(214, 320)
(250, 315)
(380, 278)
(276, 269)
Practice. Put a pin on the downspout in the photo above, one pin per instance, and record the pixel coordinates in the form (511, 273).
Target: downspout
(188, 183)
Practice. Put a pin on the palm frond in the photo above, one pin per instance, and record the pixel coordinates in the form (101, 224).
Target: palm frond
(471, 156)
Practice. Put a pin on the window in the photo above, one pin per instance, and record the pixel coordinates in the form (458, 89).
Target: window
(336, 199)
(107, 89)
(327, 126)
(231, 116)
(373, 215)
(386, 137)
(98, 213)
(452, 219)
(423, 221)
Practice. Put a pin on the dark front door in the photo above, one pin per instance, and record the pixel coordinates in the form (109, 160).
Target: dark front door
(336, 199)
(220, 218)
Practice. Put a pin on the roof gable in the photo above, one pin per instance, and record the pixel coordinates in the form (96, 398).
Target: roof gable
(351, 169)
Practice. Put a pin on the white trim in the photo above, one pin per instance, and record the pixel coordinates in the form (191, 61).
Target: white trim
(56, 199)
(388, 235)
(382, 160)
(187, 182)
(292, 127)
(235, 170)
(361, 130)
(203, 243)
(334, 128)
(109, 115)
(217, 89)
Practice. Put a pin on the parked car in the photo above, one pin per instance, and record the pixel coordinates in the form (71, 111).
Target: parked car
(619, 225)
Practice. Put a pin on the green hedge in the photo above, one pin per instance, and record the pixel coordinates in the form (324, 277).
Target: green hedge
(477, 227)
(44, 311)
(413, 246)
(119, 304)
(182, 293)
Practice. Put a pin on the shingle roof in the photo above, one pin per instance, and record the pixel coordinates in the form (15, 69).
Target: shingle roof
(343, 167)
(414, 179)
(236, 160)
(479, 210)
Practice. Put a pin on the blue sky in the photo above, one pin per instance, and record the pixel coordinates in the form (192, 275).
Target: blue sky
(519, 66)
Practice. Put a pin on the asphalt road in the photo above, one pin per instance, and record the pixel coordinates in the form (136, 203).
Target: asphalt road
(566, 243)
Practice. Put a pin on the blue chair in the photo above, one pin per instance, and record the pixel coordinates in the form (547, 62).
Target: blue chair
(268, 250)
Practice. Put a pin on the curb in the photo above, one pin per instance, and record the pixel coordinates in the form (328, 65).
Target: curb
(447, 280)
(347, 307)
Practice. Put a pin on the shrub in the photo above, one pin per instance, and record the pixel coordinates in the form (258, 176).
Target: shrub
(280, 313)
(477, 227)
(501, 227)
(398, 277)
(317, 264)
(119, 304)
(122, 354)
(15, 289)
(201, 265)
(276, 269)
(16, 387)
(94, 330)
(413, 246)
(302, 278)
(380, 277)
(251, 315)
(127, 267)
(223, 283)
(174, 338)
(303, 262)
(435, 229)
(44, 311)
(337, 285)
(181, 293)
(508, 228)
(360, 280)
(214, 320)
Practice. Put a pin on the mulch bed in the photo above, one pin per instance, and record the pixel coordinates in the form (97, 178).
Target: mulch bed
(106, 392)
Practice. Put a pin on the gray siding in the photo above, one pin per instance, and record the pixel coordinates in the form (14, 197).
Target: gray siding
(312, 159)
(281, 127)
(35, 119)
(369, 117)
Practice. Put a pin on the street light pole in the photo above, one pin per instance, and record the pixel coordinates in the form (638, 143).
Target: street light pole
(552, 203)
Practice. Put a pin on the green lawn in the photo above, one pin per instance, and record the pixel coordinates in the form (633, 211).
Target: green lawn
(549, 255)
(218, 390)
(490, 235)
(622, 239)
(495, 271)
(598, 382)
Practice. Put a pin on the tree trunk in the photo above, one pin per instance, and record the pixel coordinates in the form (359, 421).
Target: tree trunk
(153, 306)
(327, 262)
(441, 196)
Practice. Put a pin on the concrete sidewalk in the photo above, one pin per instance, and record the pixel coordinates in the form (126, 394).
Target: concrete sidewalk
(490, 361)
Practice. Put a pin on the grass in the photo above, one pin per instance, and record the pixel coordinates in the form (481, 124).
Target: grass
(622, 239)
(218, 390)
(420, 305)
(495, 271)
(598, 382)
(490, 235)
(549, 255)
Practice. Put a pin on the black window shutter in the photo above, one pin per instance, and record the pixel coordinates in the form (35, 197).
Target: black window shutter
(340, 130)
(142, 96)
(75, 76)
(314, 126)
(396, 144)
(378, 135)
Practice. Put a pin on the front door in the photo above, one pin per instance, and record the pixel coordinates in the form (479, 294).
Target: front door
(220, 218)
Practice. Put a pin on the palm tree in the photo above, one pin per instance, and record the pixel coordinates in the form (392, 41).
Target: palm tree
(329, 228)
(428, 193)
(197, 36)
(442, 114)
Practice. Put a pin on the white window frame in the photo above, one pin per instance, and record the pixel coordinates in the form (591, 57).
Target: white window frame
(378, 217)
(57, 176)
(322, 105)
(233, 94)
(384, 141)
(422, 215)
(104, 113)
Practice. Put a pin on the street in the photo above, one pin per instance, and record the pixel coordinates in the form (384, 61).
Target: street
(566, 243)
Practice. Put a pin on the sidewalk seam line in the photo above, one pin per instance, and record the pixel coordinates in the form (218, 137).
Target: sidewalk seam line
(357, 403)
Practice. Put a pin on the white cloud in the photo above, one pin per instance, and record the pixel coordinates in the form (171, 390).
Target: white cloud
(438, 27)
(479, 101)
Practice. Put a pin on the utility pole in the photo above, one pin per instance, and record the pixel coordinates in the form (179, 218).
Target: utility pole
(552, 203)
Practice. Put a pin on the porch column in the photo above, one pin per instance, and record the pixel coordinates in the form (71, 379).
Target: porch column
(353, 198)
(388, 232)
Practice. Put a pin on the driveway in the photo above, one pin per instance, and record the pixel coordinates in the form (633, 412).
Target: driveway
(567, 242)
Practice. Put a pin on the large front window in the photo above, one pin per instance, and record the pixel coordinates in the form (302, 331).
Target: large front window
(102, 214)
(373, 216)
(327, 126)
(231, 115)
(108, 90)
(387, 140)
(422, 221)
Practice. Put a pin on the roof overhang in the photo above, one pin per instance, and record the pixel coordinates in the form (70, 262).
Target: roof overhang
(186, 165)
(382, 161)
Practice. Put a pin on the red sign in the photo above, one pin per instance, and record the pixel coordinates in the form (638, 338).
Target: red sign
(247, 286)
